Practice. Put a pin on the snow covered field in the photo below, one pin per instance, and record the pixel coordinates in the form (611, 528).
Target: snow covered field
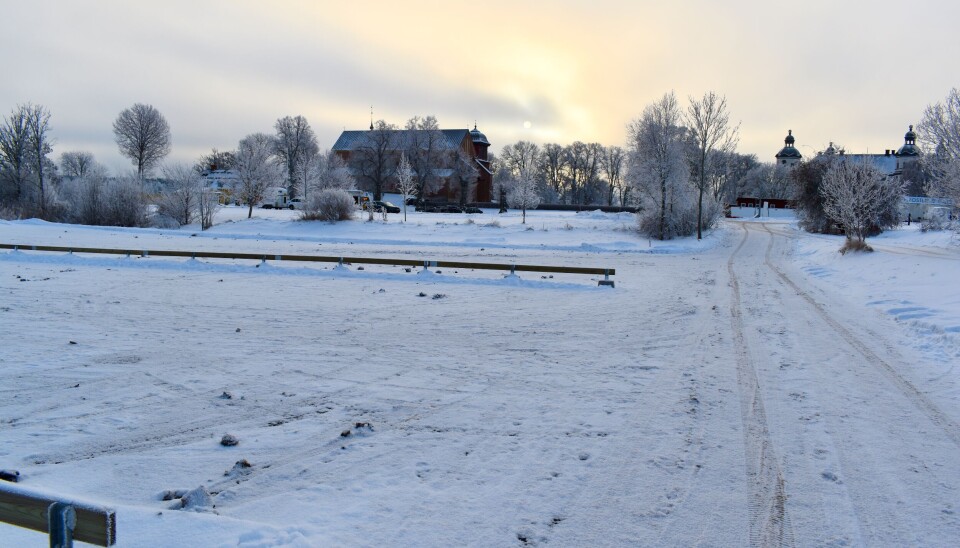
(755, 388)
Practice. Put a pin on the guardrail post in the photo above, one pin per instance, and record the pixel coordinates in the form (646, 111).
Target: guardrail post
(606, 278)
(61, 520)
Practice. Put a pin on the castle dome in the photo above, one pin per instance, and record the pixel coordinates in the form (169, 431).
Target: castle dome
(788, 150)
(909, 147)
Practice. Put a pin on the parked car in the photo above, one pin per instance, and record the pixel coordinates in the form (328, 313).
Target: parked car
(471, 209)
(450, 208)
(295, 203)
(378, 205)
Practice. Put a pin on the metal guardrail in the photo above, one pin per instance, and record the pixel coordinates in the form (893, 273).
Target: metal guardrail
(64, 521)
(605, 272)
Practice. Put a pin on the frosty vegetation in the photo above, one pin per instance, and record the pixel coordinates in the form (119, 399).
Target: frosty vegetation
(329, 204)
(677, 170)
(861, 199)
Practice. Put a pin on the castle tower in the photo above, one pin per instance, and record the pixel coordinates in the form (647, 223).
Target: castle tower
(909, 152)
(789, 156)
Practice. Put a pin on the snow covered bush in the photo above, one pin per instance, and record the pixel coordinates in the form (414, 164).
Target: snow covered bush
(331, 204)
(861, 198)
(95, 199)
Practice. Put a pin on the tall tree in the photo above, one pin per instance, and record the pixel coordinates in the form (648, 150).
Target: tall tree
(76, 163)
(143, 135)
(553, 164)
(14, 153)
(39, 145)
(613, 164)
(425, 147)
(708, 122)
(256, 169)
(658, 170)
(373, 161)
(295, 142)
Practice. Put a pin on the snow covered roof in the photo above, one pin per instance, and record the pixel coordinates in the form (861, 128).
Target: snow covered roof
(399, 139)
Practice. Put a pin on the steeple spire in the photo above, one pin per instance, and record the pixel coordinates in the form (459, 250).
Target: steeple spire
(371, 117)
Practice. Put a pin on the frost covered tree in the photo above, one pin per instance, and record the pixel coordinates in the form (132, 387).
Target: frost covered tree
(256, 169)
(514, 160)
(939, 132)
(143, 135)
(76, 163)
(523, 194)
(406, 182)
(39, 145)
(181, 189)
(710, 130)
(424, 149)
(658, 169)
(861, 198)
(295, 143)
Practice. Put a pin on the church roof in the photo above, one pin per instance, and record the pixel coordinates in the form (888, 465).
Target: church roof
(399, 139)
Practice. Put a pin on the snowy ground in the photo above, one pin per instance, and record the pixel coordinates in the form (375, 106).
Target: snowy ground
(755, 388)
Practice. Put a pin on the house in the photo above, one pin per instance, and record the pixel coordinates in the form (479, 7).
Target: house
(391, 144)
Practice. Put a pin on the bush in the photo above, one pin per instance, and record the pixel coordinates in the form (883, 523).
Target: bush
(331, 204)
(854, 244)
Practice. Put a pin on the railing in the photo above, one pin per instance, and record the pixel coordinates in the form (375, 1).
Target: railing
(64, 521)
(605, 272)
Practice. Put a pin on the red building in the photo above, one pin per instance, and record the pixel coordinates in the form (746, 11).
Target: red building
(389, 145)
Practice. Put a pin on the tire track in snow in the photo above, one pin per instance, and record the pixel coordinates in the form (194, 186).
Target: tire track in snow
(914, 395)
(769, 522)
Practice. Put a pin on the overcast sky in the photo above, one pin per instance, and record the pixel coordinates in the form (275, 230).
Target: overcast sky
(854, 72)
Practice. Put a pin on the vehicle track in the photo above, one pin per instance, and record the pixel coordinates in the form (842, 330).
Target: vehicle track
(769, 521)
(950, 427)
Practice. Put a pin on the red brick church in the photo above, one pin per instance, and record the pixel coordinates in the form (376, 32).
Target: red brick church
(472, 143)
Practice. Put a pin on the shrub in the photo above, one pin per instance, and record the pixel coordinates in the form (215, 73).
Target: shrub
(856, 245)
(331, 204)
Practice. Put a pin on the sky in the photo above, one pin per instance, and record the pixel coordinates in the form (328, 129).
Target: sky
(856, 73)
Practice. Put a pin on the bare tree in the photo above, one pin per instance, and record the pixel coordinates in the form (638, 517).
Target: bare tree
(406, 183)
(295, 141)
(76, 163)
(143, 135)
(553, 163)
(181, 193)
(256, 169)
(613, 164)
(215, 160)
(14, 153)
(658, 170)
(708, 122)
(39, 145)
(466, 173)
(425, 147)
(523, 194)
(861, 198)
(373, 162)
